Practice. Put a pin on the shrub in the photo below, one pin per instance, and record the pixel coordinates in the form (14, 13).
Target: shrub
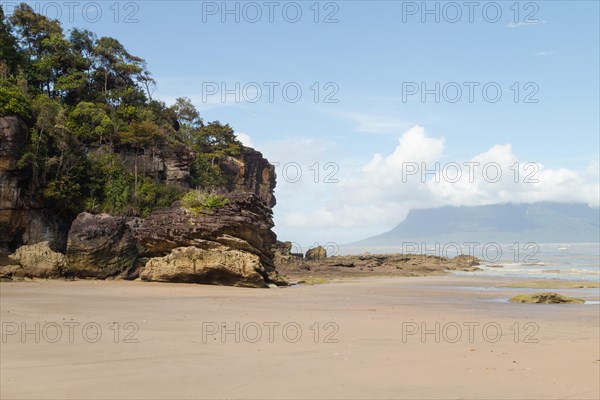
(198, 202)
(113, 189)
(206, 174)
(151, 195)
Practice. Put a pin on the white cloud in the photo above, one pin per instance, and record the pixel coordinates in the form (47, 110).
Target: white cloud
(544, 53)
(520, 182)
(415, 175)
(414, 146)
(245, 139)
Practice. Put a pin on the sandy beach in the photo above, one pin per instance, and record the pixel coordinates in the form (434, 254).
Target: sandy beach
(356, 339)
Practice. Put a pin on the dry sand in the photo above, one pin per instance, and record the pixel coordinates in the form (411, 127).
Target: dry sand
(364, 356)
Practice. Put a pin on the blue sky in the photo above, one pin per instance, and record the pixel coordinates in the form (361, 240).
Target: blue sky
(372, 55)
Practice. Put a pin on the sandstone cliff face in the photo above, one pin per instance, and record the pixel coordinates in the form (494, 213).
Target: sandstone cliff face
(231, 245)
(13, 136)
(243, 225)
(218, 265)
(169, 164)
(251, 173)
(38, 261)
(22, 222)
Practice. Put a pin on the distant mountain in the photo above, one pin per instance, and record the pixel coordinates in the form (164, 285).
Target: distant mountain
(501, 223)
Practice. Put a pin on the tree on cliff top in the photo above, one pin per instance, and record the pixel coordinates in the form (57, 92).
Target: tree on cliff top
(9, 54)
(82, 95)
(188, 118)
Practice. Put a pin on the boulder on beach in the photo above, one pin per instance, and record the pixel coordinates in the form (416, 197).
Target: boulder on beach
(316, 254)
(242, 225)
(38, 261)
(217, 265)
(101, 245)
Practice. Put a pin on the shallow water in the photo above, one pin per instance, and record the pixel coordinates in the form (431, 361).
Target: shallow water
(563, 261)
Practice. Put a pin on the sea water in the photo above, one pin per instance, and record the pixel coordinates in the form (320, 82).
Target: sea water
(569, 261)
(572, 261)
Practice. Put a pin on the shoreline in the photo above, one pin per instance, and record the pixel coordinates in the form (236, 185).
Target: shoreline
(367, 346)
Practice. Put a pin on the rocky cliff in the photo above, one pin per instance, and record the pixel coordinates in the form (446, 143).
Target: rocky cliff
(169, 164)
(231, 245)
(102, 245)
(252, 173)
(22, 220)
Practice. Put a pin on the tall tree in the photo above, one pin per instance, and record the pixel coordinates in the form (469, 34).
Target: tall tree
(218, 140)
(117, 69)
(76, 83)
(9, 54)
(188, 118)
(43, 45)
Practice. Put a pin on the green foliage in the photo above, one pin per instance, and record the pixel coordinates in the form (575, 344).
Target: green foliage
(63, 191)
(56, 162)
(217, 140)
(91, 123)
(206, 174)
(198, 202)
(141, 134)
(9, 53)
(118, 70)
(46, 111)
(151, 195)
(113, 189)
(13, 101)
(212, 143)
(111, 186)
(188, 119)
(86, 100)
(43, 46)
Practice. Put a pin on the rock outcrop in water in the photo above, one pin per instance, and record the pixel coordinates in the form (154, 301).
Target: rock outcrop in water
(386, 264)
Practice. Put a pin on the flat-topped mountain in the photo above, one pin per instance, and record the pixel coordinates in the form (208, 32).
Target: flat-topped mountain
(542, 222)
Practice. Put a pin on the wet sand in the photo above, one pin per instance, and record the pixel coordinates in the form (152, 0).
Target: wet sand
(356, 339)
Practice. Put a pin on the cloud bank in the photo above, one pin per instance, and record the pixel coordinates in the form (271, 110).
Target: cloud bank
(416, 174)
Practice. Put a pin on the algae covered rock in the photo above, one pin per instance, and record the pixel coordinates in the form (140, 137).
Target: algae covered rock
(545, 298)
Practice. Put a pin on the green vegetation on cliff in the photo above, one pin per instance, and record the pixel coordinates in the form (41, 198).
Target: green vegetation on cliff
(88, 105)
(198, 202)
